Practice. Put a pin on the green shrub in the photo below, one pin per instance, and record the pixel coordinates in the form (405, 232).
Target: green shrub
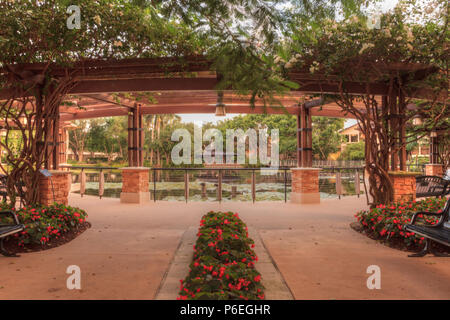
(223, 263)
(45, 223)
(387, 222)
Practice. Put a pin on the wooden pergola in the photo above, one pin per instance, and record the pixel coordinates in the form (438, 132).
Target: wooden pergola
(187, 85)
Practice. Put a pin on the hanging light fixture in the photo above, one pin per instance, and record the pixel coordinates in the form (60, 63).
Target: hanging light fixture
(417, 121)
(220, 106)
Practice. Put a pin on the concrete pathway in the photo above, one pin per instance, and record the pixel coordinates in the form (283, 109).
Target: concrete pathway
(128, 250)
(271, 279)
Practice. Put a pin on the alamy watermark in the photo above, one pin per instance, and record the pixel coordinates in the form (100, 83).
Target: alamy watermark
(374, 281)
(213, 153)
(74, 21)
(74, 280)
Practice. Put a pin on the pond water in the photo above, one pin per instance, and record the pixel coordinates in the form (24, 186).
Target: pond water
(236, 185)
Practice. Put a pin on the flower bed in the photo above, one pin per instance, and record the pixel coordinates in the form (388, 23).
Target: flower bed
(386, 223)
(46, 226)
(223, 266)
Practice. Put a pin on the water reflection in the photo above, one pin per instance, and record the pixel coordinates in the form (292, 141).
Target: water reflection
(236, 185)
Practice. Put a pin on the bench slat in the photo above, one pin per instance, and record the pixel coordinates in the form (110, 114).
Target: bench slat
(441, 234)
(8, 230)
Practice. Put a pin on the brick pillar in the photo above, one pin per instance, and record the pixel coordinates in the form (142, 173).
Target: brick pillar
(434, 169)
(305, 185)
(404, 185)
(135, 185)
(55, 188)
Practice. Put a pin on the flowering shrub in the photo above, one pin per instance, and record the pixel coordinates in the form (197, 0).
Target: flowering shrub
(45, 223)
(387, 222)
(223, 264)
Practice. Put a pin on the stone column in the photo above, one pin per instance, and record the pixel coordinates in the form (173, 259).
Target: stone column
(404, 185)
(135, 185)
(55, 188)
(305, 185)
(434, 169)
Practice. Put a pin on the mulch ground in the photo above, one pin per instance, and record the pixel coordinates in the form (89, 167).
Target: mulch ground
(12, 246)
(396, 243)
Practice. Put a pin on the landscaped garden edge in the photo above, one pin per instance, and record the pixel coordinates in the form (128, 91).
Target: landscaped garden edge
(223, 265)
(386, 223)
(45, 226)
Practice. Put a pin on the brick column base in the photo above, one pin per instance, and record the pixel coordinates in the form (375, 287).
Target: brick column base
(135, 185)
(55, 188)
(305, 185)
(434, 169)
(404, 185)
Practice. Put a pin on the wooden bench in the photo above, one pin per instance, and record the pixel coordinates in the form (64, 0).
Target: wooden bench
(431, 186)
(9, 229)
(439, 232)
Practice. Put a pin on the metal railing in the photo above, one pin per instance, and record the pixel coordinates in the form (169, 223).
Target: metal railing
(282, 173)
(325, 163)
(285, 171)
(101, 178)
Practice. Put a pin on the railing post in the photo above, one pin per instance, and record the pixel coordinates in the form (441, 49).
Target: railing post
(338, 183)
(253, 185)
(233, 192)
(285, 185)
(154, 185)
(203, 186)
(82, 182)
(357, 182)
(186, 185)
(101, 184)
(219, 186)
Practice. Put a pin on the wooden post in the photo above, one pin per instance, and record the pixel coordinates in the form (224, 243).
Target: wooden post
(253, 186)
(186, 185)
(338, 184)
(394, 128)
(304, 138)
(101, 184)
(219, 186)
(357, 183)
(130, 138)
(203, 186)
(308, 138)
(141, 137)
(82, 182)
(434, 153)
(299, 154)
(56, 141)
(233, 192)
(62, 145)
(402, 131)
(135, 137)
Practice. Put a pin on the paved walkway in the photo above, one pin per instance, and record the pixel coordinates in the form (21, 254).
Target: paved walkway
(129, 248)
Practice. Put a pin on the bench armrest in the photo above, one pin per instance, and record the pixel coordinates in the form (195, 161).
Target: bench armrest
(414, 218)
(12, 214)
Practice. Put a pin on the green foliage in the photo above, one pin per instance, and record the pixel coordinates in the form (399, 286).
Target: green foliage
(223, 264)
(108, 135)
(45, 223)
(326, 138)
(353, 151)
(386, 222)
(34, 31)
